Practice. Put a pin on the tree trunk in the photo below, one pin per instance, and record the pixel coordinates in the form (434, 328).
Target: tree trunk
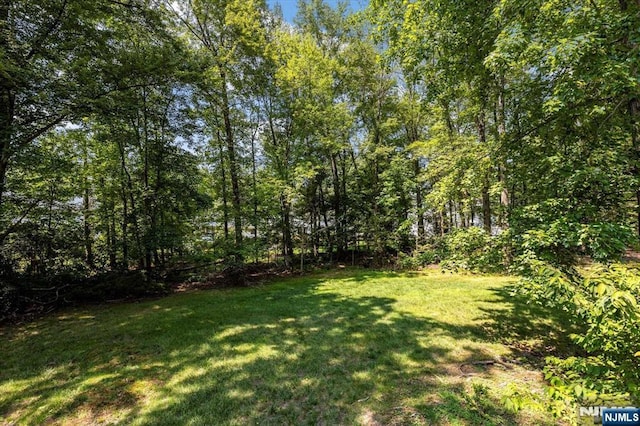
(225, 197)
(255, 195)
(7, 101)
(133, 219)
(486, 200)
(452, 222)
(337, 206)
(435, 220)
(486, 206)
(323, 210)
(504, 195)
(287, 242)
(49, 240)
(5, 140)
(419, 206)
(374, 218)
(233, 167)
(634, 110)
(87, 227)
(149, 238)
(345, 206)
(125, 223)
(111, 237)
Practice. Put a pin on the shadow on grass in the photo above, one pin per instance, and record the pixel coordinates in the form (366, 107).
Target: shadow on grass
(292, 353)
(532, 331)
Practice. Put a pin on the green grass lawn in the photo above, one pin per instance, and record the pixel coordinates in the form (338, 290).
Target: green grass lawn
(344, 347)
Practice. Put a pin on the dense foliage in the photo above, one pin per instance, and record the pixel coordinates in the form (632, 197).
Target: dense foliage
(605, 303)
(144, 129)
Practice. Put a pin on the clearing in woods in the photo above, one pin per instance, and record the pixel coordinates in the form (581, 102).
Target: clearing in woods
(341, 347)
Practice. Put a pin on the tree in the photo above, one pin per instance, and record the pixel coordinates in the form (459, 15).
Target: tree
(224, 32)
(55, 55)
(570, 128)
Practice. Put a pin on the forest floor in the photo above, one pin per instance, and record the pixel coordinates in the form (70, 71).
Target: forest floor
(351, 346)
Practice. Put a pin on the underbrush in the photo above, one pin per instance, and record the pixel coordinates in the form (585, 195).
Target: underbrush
(606, 300)
(25, 297)
(569, 266)
(470, 249)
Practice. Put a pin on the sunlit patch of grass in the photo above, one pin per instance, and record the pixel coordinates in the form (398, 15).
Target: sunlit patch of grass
(345, 347)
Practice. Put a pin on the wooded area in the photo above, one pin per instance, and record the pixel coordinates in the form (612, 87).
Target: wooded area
(494, 135)
(133, 131)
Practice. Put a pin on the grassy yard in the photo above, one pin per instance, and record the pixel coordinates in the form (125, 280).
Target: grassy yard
(344, 347)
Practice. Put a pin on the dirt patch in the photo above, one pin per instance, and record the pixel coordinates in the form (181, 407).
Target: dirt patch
(250, 275)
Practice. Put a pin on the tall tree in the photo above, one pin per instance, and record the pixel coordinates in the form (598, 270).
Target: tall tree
(55, 54)
(224, 32)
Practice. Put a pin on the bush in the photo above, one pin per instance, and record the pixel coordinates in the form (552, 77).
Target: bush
(405, 261)
(115, 285)
(474, 249)
(607, 302)
(10, 303)
(30, 296)
(561, 241)
(427, 254)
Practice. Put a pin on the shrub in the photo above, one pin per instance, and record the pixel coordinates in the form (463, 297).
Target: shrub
(474, 249)
(561, 241)
(607, 302)
(405, 261)
(423, 255)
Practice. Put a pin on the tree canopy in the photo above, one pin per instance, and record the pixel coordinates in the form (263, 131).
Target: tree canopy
(146, 129)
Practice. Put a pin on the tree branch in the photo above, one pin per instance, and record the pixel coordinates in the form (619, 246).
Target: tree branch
(17, 223)
(39, 43)
(39, 132)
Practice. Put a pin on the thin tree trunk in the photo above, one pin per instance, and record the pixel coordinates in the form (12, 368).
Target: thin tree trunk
(125, 222)
(452, 223)
(255, 196)
(133, 215)
(486, 200)
(87, 226)
(337, 205)
(86, 208)
(462, 214)
(435, 219)
(287, 242)
(5, 141)
(225, 197)
(49, 246)
(504, 195)
(112, 241)
(419, 206)
(323, 209)
(146, 196)
(345, 206)
(486, 206)
(634, 110)
(7, 101)
(233, 167)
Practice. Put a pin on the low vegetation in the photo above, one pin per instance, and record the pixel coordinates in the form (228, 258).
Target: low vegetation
(345, 347)
(605, 301)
